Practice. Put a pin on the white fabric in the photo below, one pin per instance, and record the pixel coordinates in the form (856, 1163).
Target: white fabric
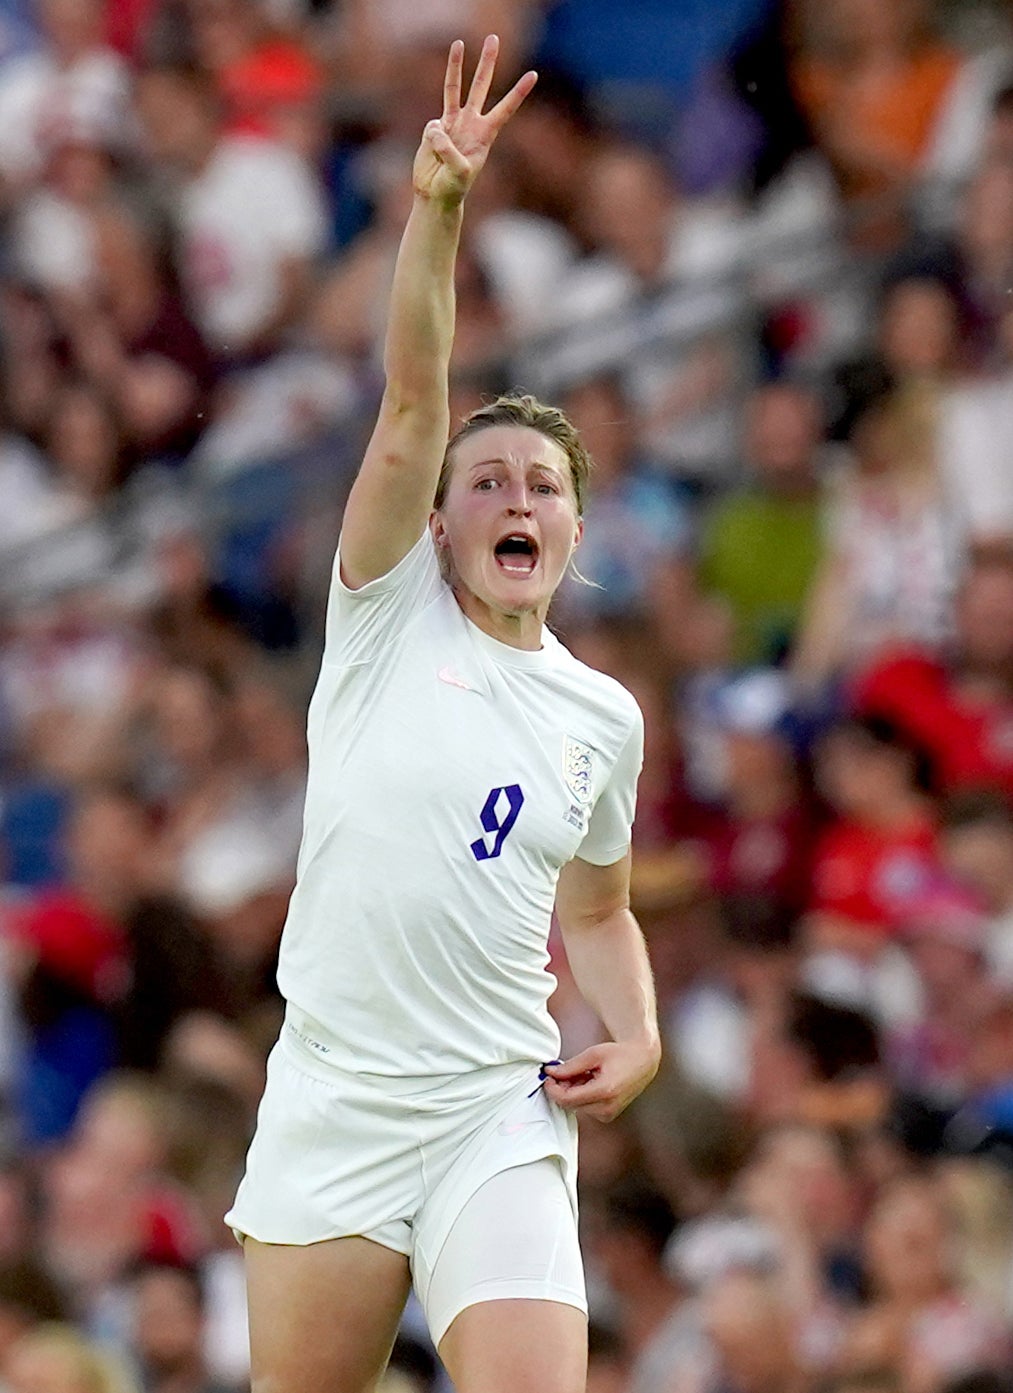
(417, 933)
(41, 102)
(976, 454)
(338, 1154)
(33, 504)
(516, 1237)
(959, 133)
(255, 205)
(526, 257)
(903, 558)
(54, 243)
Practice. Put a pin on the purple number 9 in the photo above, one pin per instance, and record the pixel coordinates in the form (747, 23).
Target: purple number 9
(492, 824)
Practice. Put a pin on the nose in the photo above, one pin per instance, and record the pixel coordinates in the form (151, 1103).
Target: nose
(519, 502)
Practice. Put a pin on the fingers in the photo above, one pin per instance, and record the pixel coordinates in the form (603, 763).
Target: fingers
(444, 149)
(482, 80)
(500, 114)
(586, 1062)
(452, 81)
(594, 1096)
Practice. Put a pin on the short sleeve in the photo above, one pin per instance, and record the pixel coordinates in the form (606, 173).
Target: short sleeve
(361, 623)
(610, 828)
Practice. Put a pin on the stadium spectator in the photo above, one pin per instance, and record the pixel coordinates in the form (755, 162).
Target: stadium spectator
(920, 345)
(878, 855)
(167, 1330)
(802, 1184)
(976, 438)
(945, 938)
(983, 256)
(648, 239)
(762, 542)
(107, 1200)
(631, 1225)
(73, 961)
(874, 81)
(977, 848)
(894, 552)
(635, 531)
(132, 338)
(919, 1322)
(547, 149)
(751, 1327)
(248, 214)
(28, 1298)
(758, 840)
(70, 80)
(56, 1358)
(957, 704)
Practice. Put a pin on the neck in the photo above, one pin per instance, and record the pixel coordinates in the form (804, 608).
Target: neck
(523, 630)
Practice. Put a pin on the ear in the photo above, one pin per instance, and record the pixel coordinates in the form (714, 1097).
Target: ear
(578, 535)
(438, 531)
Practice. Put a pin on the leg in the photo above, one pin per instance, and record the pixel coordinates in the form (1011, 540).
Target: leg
(517, 1347)
(506, 1298)
(322, 1317)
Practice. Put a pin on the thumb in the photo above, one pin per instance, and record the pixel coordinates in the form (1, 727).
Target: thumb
(584, 1063)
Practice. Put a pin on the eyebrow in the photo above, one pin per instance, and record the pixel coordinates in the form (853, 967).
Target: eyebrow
(534, 464)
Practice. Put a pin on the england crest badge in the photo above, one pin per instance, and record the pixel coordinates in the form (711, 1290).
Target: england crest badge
(578, 770)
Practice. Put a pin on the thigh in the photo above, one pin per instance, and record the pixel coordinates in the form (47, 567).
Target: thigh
(506, 1301)
(513, 1346)
(323, 1316)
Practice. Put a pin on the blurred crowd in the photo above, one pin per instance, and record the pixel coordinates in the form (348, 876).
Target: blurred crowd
(762, 253)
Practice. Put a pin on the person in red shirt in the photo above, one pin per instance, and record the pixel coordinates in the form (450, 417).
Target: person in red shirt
(879, 854)
(958, 707)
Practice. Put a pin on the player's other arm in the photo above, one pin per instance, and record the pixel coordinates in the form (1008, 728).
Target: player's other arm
(608, 959)
(392, 496)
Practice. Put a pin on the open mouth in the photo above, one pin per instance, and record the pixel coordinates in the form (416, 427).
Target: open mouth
(516, 554)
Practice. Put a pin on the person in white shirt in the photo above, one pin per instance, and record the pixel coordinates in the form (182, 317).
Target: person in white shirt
(74, 80)
(467, 775)
(249, 211)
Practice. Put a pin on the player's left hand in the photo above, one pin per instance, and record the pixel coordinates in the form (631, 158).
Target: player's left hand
(602, 1080)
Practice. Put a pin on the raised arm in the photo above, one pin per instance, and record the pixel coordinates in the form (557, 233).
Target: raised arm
(392, 495)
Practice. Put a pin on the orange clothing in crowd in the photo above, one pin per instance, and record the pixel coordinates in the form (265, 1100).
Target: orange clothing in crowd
(892, 116)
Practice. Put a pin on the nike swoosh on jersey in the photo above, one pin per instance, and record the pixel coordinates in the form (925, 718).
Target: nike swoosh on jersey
(448, 675)
(509, 1129)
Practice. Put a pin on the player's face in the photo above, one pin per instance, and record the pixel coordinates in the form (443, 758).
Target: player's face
(509, 520)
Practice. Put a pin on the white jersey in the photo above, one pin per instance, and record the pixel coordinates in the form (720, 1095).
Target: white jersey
(451, 777)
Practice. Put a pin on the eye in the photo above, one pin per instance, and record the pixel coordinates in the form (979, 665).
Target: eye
(546, 488)
(486, 484)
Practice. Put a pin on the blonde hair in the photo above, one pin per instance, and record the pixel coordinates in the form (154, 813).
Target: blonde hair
(522, 410)
(90, 1366)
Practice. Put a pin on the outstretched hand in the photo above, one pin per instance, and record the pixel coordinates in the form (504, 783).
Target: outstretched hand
(455, 147)
(602, 1080)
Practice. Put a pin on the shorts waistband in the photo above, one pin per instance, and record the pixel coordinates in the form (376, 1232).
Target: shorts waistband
(321, 1051)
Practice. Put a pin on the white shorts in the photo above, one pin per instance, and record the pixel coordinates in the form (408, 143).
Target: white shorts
(398, 1160)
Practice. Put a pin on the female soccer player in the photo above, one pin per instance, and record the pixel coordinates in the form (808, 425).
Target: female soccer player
(466, 773)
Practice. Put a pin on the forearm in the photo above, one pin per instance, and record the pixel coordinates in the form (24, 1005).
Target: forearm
(420, 325)
(609, 963)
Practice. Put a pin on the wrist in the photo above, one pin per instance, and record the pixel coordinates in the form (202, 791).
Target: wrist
(647, 1042)
(448, 205)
